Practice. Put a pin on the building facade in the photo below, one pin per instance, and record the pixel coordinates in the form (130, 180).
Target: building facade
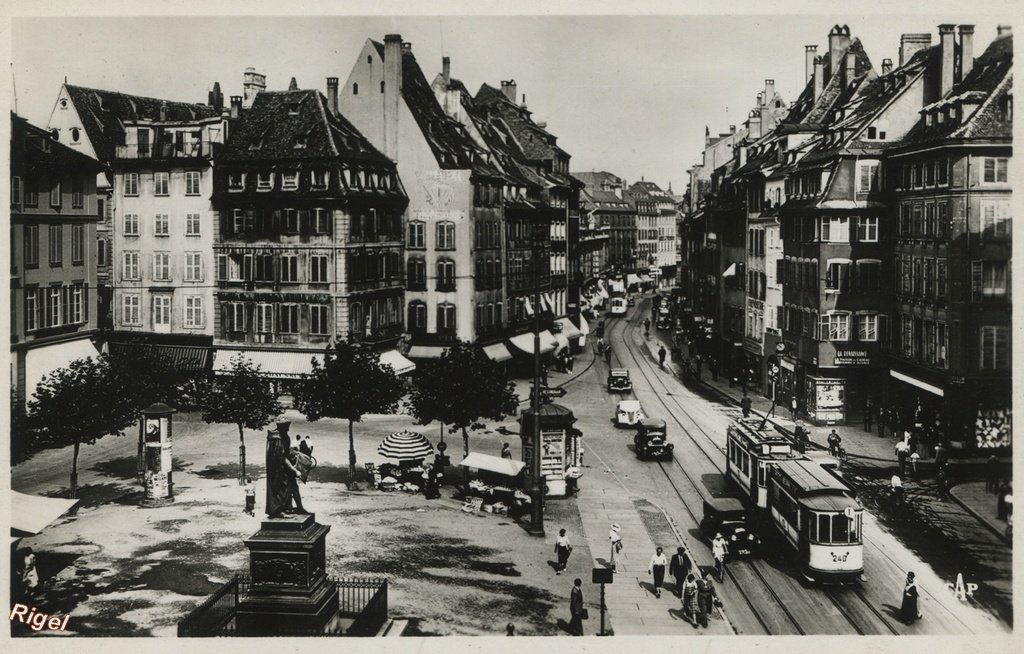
(605, 198)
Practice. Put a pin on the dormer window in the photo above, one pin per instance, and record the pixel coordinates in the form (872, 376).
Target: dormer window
(265, 181)
(293, 108)
(872, 133)
(318, 179)
(300, 142)
(290, 180)
(236, 181)
(928, 119)
(940, 117)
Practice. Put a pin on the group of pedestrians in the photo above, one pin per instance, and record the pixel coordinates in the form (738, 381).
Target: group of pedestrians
(695, 589)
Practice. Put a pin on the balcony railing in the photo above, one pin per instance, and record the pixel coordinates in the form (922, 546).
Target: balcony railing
(168, 151)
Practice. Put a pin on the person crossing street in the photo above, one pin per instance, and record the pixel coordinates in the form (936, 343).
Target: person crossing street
(719, 550)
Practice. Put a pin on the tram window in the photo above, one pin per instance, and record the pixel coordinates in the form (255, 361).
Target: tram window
(746, 463)
(824, 532)
(855, 529)
(812, 526)
(762, 470)
(840, 528)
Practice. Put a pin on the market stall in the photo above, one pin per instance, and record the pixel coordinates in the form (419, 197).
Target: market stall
(410, 450)
(496, 486)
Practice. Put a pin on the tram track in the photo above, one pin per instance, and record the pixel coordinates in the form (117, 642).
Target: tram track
(850, 614)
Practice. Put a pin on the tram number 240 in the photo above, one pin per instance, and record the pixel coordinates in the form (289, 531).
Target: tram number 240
(839, 558)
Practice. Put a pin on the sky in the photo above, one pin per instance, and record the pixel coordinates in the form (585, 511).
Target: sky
(627, 94)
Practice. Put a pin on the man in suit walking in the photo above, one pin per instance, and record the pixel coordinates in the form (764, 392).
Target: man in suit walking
(679, 567)
(576, 607)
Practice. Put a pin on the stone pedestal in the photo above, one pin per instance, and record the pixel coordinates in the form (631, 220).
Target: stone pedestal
(290, 590)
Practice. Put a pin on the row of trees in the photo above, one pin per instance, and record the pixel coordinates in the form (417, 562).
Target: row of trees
(96, 397)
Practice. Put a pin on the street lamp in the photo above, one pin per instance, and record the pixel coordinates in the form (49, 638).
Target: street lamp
(536, 528)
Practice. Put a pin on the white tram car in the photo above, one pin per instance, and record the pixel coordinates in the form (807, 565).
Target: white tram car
(617, 306)
(819, 517)
(750, 452)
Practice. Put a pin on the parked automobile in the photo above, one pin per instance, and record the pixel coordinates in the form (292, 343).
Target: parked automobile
(628, 412)
(651, 440)
(631, 301)
(619, 381)
(729, 517)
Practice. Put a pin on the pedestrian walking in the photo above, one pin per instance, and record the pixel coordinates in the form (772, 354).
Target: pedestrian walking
(881, 423)
(869, 410)
(992, 474)
(914, 458)
(615, 537)
(506, 451)
(707, 597)
(792, 407)
(700, 364)
(690, 600)
(576, 607)
(719, 550)
(834, 439)
(29, 576)
(902, 452)
(570, 361)
(713, 366)
(608, 354)
(657, 569)
(661, 356)
(745, 405)
(896, 489)
(563, 548)
(250, 496)
(306, 445)
(647, 326)
(908, 609)
(679, 567)
(943, 481)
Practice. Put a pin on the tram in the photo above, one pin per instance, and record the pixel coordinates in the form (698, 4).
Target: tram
(617, 306)
(749, 453)
(818, 517)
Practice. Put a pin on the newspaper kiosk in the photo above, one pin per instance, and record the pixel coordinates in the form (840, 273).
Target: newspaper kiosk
(561, 448)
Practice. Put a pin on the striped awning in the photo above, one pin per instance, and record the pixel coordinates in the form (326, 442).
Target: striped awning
(405, 446)
(274, 363)
(497, 352)
(524, 342)
(189, 358)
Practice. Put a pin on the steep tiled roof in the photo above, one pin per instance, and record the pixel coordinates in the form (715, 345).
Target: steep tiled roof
(834, 92)
(104, 112)
(535, 142)
(34, 148)
(297, 126)
(595, 179)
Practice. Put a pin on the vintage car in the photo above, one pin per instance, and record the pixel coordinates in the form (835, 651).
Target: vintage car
(628, 412)
(651, 440)
(619, 381)
(631, 301)
(729, 517)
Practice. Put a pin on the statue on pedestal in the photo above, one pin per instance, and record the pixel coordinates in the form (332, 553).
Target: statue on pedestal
(282, 474)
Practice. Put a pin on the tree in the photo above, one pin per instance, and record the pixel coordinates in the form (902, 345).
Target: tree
(242, 397)
(460, 389)
(351, 383)
(149, 375)
(79, 404)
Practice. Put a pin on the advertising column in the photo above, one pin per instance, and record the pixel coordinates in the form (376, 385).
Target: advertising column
(155, 454)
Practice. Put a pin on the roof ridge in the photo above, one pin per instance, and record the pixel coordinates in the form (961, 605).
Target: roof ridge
(134, 96)
(984, 105)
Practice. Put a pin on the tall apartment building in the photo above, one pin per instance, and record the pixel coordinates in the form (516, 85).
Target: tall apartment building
(605, 197)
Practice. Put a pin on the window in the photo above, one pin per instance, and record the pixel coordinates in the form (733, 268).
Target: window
(101, 252)
(917, 276)
(161, 266)
(835, 327)
(31, 246)
(355, 88)
(161, 225)
(130, 265)
(193, 267)
(193, 311)
(319, 324)
(995, 170)
(940, 279)
(131, 224)
(161, 311)
(289, 319)
(416, 230)
(235, 317)
(264, 318)
(416, 270)
(31, 309)
(929, 278)
(988, 279)
(321, 221)
(16, 190)
(837, 277)
(192, 224)
(289, 180)
(445, 236)
(236, 182)
(835, 229)
(77, 193)
(446, 317)
(56, 245)
(867, 229)
(867, 327)
(942, 344)
(130, 309)
(289, 268)
(995, 348)
(55, 196)
(161, 183)
(52, 308)
(131, 184)
(867, 177)
(445, 275)
(237, 221)
(264, 181)
(417, 317)
(318, 269)
(318, 179)
(191, 182)
(290, 221)
(869, 275)
(264, 268)
(995, 219)
(77, 244)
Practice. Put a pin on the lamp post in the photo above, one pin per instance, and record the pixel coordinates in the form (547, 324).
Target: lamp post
(537, 490)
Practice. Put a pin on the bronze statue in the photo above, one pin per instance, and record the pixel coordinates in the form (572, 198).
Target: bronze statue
(282, 474)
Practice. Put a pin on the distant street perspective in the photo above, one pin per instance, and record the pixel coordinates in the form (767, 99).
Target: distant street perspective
(377, 357)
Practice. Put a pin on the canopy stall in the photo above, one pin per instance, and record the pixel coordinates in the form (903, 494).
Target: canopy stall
(496, 464)
(30, 514)
(405, 446)
(497, 352)
(398, 363)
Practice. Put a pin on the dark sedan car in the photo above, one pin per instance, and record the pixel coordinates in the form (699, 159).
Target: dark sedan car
(728, 516)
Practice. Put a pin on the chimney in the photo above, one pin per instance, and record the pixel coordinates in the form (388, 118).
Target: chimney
(509, 88)
(252, 84)
(446, 70)
(948, 43)
(910, 44)
(966, 50)
(838, 42)
(851, 69)
(293, 85)
(819, 76)
(1003, 30)
(810, 52)
(769, 91)
(732, 129)
(216, 98)
(754, 124)
(163, 111)
(393, 49)
(332, 95)
(236, 106)
(886, 66)
(741, 154)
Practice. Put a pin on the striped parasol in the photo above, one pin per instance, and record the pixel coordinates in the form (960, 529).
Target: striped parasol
(405, 446)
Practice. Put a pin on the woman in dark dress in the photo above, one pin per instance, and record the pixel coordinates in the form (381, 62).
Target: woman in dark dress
(908, 610)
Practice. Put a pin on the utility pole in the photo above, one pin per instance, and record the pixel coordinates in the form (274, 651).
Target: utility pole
(537, 492)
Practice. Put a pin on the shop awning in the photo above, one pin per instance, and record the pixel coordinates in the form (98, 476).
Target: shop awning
(524, 342)
(30, 514)
(398, 363)
(563, 342)
(570, 330)
(917, 382)
(603, 293)
(497, 352)
(584, 326)
(646, 279)
(188, 358)
(632, 279)
(506, 467)
(730, 271)
(426, 352)
(41, 361)
(275, 364)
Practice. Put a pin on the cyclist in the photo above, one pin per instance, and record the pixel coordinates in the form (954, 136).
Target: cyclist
(834, 440)
(600, 345)
(719, 550)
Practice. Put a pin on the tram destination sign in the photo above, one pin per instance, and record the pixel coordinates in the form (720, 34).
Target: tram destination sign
(852, 358)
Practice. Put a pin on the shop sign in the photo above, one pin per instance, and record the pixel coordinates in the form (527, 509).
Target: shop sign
(852, 358)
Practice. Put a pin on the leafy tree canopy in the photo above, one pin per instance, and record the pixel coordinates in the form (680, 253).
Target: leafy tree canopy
(243, 396)
(350, 383)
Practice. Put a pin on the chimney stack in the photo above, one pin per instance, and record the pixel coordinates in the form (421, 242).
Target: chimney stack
(163, 111)
(446, 70)
(393, 49)
(948, 44)
(769, 91)
(293, 85)
(851, 69)
(732, 129)
(236, 106)
(838, 42)
(819, 76)
(910, 44)
(966, 50)
(754, 124)
(509, 89)
(1003, 30)
(886, 66)
(252, 84)
(216, 98)
(332, 95)
(810, 52)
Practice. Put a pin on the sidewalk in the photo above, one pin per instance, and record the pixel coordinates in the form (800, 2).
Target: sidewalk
(980, 503)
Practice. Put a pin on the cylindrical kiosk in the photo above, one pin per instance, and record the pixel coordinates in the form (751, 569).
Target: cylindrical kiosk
(561, 448)
(155, 455)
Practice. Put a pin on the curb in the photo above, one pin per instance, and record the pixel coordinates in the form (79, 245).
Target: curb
(977, 516)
